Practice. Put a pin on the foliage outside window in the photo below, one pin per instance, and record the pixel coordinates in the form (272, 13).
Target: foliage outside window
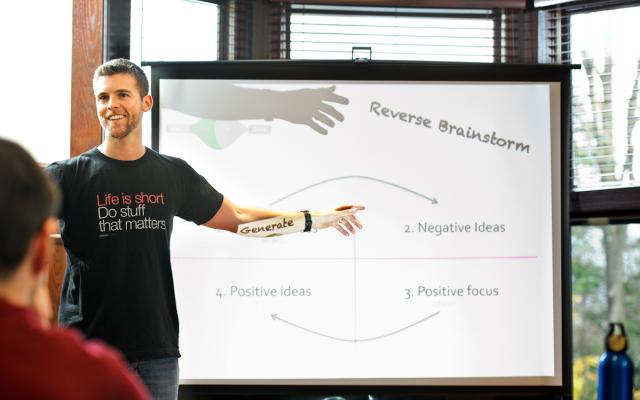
(605, 98)
(594, 250)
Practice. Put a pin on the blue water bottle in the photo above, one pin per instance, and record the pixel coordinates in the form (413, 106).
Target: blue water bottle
(615, 370)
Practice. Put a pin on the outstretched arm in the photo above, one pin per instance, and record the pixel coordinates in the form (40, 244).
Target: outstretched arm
(259, 222)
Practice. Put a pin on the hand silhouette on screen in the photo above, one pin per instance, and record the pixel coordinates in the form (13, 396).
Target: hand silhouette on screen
(219, 100)
(311, 107)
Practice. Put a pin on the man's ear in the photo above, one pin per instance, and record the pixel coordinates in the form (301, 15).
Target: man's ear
(147, 103)
(42, 246)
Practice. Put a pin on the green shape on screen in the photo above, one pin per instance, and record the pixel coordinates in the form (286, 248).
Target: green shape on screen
(205, 129)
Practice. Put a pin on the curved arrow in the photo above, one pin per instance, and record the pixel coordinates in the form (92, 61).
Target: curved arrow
(275, 317)
(432, 200)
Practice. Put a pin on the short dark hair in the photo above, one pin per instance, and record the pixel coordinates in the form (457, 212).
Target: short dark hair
(27, 199)
(124, 66)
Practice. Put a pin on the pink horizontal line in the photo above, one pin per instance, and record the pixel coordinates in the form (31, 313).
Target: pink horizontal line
(361, 258)
(460, 258)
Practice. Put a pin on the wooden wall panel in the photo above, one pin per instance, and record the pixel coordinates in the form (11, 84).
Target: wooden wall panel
(87, 50)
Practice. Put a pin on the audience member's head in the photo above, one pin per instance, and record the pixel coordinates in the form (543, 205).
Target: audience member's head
(28, 203)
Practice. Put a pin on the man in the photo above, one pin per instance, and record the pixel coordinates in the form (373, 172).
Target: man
(37, 363)
(119, 202)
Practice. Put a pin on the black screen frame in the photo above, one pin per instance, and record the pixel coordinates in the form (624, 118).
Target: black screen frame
(396, 71)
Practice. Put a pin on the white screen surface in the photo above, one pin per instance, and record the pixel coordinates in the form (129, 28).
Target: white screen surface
(454, 278)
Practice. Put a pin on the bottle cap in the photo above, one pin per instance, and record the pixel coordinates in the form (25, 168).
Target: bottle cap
(616, 340)
(616, 343)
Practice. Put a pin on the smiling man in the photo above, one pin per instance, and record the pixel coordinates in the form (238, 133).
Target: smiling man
(116, 221)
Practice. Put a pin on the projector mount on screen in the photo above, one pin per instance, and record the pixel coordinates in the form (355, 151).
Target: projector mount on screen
(458, 282)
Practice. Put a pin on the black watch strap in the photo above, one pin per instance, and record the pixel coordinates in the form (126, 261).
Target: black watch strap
(307, 220)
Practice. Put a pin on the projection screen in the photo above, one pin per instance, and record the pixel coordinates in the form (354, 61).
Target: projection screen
(456, 278)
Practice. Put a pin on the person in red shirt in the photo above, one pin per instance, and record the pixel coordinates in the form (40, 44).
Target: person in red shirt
(36, 362)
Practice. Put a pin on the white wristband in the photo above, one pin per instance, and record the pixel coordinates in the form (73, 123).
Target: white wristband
(275, 226)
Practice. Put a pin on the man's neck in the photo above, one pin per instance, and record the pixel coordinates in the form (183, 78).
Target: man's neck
(127, 149)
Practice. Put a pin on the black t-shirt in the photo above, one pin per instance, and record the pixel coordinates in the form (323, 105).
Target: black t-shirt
(116, 224)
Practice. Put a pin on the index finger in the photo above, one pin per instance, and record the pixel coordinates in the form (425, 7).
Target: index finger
(335, 98)
(349, 207)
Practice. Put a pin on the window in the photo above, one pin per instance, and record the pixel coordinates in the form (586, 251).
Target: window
(326, 32)
(605, 135)
(605, 98)
(174, 30)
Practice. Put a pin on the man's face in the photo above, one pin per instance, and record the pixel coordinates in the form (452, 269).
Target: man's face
(119, 104)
